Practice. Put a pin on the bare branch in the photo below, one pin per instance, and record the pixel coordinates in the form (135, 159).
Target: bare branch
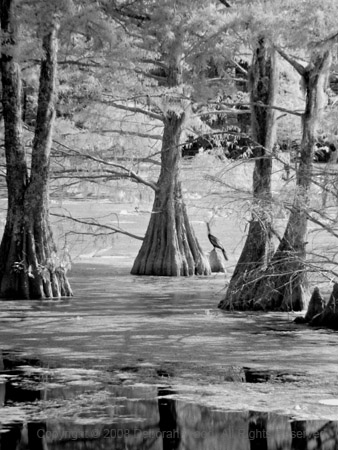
(278, 108)
(322, 225)
(156, 62)
(328, 40)
(295, 64)
(150, 75)
(57, 153)
(131, 174)
(239, 67)
(222, 111)
(86, 177)
(99, 225)
(93, 64)
(136, 109)
(126, 12)
(225, 3)
(156, 137)
(241, 111)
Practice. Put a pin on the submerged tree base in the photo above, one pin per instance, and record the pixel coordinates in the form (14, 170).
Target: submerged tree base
(329, 317)
(29, 265)
(282, 286)
(22, 284)
(181, 256)
(170, 247)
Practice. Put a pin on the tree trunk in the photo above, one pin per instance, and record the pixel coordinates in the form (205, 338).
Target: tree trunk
(287, 286)
(284, 285)
(29, 268)
(170, 247)
(257, 249)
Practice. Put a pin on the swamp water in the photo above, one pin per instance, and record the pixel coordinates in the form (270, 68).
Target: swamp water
(73, 409)
(143, 363)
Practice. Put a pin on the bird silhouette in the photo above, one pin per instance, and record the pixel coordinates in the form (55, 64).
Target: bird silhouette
(215, 242)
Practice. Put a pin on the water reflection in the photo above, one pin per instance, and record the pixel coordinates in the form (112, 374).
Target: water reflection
(231, 431)
(257, 431)
(168, 423)
(203, 428)
(177, 426)
(140, 417)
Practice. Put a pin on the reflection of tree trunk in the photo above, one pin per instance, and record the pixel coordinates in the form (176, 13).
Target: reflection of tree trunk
(285, 285)
(278, 432)
(168, 422)
(2, 393)
(12, 438)
(37, 435)
(257, 249)
(299, 437)
(170, 247)
(28, 264)
(257, 431)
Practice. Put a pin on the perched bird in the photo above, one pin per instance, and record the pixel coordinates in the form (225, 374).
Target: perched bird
(215, 242)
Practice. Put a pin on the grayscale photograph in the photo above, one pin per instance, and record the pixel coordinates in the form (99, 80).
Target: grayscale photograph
(168, 225)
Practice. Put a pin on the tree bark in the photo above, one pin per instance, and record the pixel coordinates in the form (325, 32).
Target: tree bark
(258, 247)
(17, 176)
(284, 284)
(170, 247)
(29, 268)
